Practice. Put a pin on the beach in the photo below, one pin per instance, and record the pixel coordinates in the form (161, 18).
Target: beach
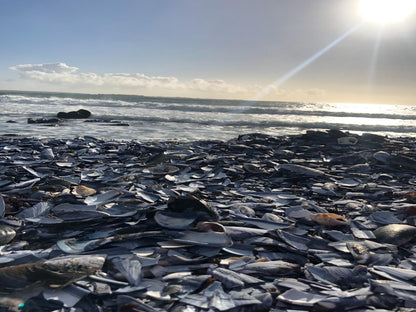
(321, 220)
(208, 156)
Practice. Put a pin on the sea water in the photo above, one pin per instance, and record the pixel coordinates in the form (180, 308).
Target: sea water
(132, 117)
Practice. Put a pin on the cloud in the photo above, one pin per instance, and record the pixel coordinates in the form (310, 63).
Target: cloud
(273, 92)
(56, 68)
(51, 73)
(137, 80)
(61, 73)
(215, 85)
(60, 76)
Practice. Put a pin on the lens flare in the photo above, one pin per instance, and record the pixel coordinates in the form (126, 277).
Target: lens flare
(386, 11)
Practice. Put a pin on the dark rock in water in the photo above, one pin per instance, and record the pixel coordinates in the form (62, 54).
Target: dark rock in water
(98, 120)
(79, 114)
(10, 121)
(370, 137)
(117, 123)
(42, 120)
(329, 136)
(83, 113)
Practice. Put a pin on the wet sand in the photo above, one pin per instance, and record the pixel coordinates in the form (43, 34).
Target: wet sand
(319, 221)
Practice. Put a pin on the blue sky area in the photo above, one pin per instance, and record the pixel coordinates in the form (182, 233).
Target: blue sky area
(238, 49)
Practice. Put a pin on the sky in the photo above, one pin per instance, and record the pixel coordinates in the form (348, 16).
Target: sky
(284, 50)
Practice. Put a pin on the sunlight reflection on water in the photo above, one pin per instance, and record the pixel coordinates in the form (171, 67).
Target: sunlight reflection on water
(363, 108)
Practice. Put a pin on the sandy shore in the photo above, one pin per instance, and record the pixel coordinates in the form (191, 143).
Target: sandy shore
(320, 221)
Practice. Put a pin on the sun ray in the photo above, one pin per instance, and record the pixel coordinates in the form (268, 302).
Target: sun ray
(374, 58)
(277, 83)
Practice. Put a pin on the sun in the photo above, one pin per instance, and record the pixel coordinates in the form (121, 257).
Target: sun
(386, 11)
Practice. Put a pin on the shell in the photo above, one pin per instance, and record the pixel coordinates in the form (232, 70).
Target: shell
(161, 170)
(174, 220)
(83, 191)
(193, 206)
(270, 268)
(328, 219)
(2, 207)
(301, 298)
(6, 234)
(101, 198)
(54, 273)
(208, 239)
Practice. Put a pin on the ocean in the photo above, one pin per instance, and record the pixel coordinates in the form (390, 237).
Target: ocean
(142, 118)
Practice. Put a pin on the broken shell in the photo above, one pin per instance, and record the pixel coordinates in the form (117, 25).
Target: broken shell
(210, 226)
(2, 207)
(6, 234)
(83, 191)
(174, 220)
(270, 268)
(300, 298)
(54, 273)
(328, 219)
(162, 169)
(192, 206)
(101, 198)
(209, 239)
(411, 197)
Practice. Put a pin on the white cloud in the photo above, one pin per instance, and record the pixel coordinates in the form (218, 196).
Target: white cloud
(60, 73)
(55, 68)
(62, 77)
(50, 73)
(273, 92)
(214, 85)
(140, 81)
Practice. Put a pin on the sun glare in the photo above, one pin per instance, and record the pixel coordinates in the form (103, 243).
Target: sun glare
(386, 11)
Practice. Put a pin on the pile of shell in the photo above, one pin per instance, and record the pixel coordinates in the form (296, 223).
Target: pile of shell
(323, 221)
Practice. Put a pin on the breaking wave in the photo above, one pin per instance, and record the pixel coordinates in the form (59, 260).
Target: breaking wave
(170, 114)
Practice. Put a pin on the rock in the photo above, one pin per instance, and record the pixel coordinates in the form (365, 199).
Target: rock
(347, 140)
(79, 114)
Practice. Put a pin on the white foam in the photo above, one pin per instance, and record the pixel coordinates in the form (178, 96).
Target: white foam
(192, 119)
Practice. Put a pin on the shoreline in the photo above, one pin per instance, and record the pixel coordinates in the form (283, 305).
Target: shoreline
(320, 220)
(292, 135)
